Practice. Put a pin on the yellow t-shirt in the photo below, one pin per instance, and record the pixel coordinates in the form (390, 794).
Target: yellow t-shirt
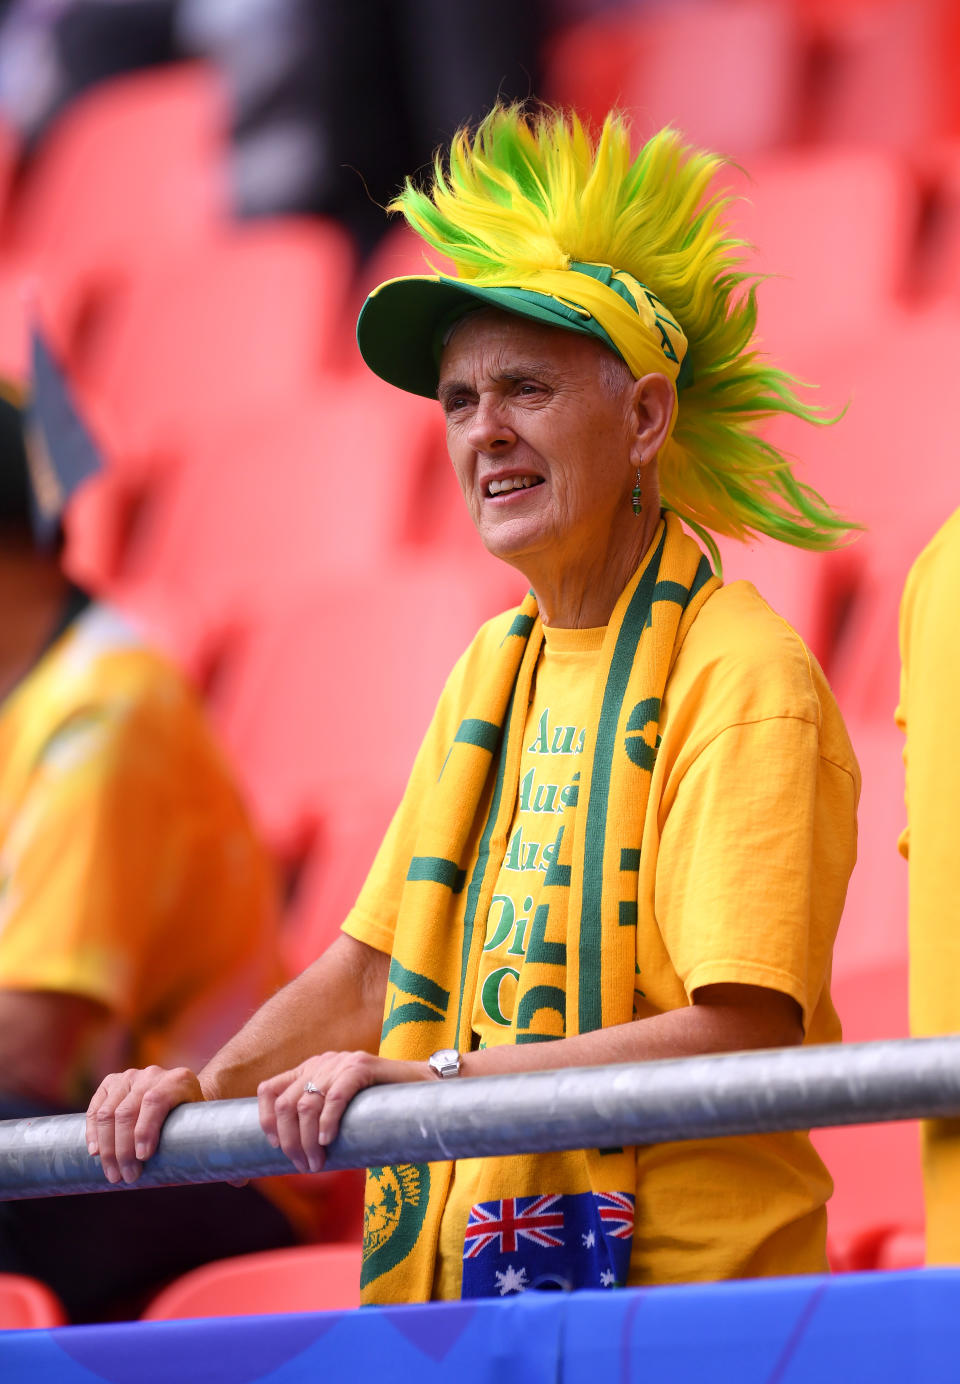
(930, 655)
(749, 840)
(129, 871)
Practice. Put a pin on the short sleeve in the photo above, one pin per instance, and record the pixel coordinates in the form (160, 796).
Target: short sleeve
(78, 881)
(373, 917)
(754, 859)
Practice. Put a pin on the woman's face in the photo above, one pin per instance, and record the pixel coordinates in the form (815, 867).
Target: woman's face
(542, 437)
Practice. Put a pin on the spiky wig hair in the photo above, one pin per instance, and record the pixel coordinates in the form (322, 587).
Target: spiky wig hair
(527, 193)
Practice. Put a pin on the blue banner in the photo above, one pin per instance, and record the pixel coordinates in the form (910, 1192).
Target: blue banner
(885, 1328)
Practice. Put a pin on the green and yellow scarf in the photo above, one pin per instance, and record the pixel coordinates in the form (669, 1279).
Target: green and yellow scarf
(579, 969)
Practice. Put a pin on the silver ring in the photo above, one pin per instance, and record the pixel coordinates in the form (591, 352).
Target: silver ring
(311, 1090)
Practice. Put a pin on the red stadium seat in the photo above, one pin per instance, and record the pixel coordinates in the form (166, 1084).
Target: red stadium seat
(808, 589)
(309, 1278)
(833, 227)
(859, 463)
(588, 65)
(902, 1249)
(339, 844)
(135, 157)
(324, 701)
(940, 271)
(242, 323)
(886, 71)
(25, 1302)
(253, 511)
(126, 178)
(726, 75)
(338, 485)
(878, 1247)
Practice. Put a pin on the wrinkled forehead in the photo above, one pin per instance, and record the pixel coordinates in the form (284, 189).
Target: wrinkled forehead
(487, 340)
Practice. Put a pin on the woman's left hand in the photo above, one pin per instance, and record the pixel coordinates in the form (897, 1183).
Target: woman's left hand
(300, 1110)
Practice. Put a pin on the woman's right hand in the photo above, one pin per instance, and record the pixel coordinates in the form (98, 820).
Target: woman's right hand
(127, 1112)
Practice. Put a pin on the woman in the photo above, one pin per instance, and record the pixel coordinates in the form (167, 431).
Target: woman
(628, 832)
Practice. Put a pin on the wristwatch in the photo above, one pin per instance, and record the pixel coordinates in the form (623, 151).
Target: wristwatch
(444, 1062)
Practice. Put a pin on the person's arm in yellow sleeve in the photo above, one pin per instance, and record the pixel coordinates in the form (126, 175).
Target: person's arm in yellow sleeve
(70, 925)
(85, 871)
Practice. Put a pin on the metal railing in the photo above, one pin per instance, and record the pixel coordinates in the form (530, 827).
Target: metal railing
(536, 1112)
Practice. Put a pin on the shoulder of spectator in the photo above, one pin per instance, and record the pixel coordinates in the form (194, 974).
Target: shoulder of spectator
(747, 660)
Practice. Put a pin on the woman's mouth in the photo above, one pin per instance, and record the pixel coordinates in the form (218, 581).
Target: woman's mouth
(512, 483)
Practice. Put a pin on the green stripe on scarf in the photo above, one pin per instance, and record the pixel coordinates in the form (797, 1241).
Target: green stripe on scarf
(481, 733)
(631, 632)
(438, 871)
(480, 870)
(521, 627)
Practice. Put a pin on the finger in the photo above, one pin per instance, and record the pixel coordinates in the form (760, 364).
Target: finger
(155, 1104)
(127, 1117)
(340, 1093)
(99, 1096)
(115, 1089)
(309, 1107)
(287, 1118)
(124, 1123)
(267, 1093)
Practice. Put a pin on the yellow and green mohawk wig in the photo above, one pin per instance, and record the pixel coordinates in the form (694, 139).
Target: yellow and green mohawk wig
(542, 219)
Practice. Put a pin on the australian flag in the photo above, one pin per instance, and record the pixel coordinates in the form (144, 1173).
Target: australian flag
(580, 1240)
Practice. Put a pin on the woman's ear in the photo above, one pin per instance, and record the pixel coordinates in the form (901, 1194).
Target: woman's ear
(654, 400)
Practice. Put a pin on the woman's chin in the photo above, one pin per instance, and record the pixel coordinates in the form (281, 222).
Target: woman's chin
(514, 524)
(514, 542)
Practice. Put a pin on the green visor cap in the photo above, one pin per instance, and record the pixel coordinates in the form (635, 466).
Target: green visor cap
(402, 325)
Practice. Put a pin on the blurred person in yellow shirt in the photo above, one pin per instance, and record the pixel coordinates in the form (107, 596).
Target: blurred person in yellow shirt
(930, 659)
(138, 910)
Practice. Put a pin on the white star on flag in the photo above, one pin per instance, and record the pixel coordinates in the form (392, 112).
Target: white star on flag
(607, 1278)
(511, 1280)
(589, 1239)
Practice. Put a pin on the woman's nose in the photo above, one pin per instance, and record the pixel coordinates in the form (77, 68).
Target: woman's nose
(489, 431)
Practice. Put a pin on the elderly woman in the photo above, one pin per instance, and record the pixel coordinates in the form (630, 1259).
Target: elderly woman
(628, 832)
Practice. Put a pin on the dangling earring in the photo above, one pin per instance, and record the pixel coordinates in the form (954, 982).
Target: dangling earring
(635, 499)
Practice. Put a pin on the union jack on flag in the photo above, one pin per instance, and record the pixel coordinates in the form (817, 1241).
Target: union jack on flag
(616, 1214)
(506, 1222)
(555, 1240)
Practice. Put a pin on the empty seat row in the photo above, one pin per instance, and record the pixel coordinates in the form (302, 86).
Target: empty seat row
(308, 1278)
(748, 75)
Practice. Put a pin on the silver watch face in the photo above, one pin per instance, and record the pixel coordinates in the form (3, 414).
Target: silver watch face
(445, 1062)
